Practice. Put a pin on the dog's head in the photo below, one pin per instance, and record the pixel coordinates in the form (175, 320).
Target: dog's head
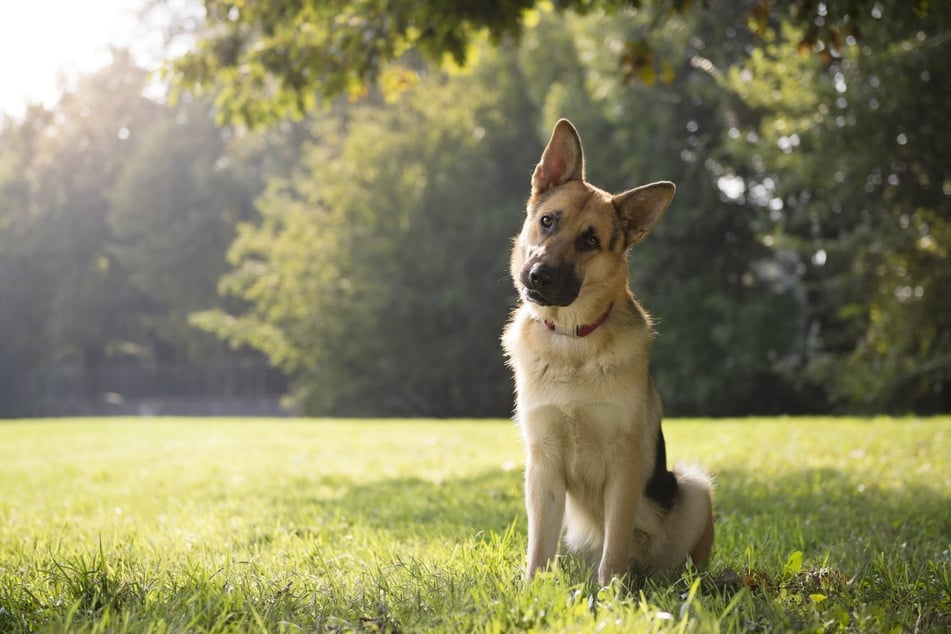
(575, 238)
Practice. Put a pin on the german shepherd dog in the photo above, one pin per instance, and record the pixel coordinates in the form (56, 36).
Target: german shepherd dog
(596, 468)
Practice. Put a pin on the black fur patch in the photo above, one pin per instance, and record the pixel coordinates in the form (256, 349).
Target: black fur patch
(588, 241)
(662, 486)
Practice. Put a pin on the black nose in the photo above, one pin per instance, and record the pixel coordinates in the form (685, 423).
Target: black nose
(540, 276)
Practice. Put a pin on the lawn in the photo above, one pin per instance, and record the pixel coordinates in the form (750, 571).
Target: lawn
(228, 525)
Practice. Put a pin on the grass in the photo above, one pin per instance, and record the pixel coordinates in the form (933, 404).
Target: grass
(209, 525)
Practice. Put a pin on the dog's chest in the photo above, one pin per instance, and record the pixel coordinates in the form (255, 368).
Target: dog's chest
(581, 409)
(577, 387)
(582, 443)
(571, 381)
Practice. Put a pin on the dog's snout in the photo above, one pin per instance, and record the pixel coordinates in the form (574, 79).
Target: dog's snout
(540, 276)
(550, 285)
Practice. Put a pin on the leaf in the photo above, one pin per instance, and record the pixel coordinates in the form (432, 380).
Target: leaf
(667, 73)
(793, 563)
(759, 18)
(637, 62)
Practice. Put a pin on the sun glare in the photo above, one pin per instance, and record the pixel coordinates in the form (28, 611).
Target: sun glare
(44, 44)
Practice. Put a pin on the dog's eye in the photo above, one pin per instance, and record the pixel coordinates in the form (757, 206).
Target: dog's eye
(589, 241)
(547, 221)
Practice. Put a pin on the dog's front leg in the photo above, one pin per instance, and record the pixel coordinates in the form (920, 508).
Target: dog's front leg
(620, 507)
(545, 503)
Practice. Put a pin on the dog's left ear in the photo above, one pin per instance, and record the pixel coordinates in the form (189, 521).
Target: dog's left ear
(562, 160)
(641, 208)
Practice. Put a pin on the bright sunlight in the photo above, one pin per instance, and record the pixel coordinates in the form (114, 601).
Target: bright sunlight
(45, 44)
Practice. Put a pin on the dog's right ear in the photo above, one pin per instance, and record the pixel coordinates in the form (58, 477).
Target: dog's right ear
(641, 208)
(562, 160)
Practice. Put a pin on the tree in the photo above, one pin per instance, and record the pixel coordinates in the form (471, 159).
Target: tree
(771, 297)
(803, 265)
(267, 59)
(172, 214)
(115, 215)
(66, 295)
(24, 286)
(848, 171)
(377, 275)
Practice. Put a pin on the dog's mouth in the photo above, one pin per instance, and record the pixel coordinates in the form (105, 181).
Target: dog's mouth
(538, 298)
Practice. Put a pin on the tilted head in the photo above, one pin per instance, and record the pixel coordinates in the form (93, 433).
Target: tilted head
(574, 242)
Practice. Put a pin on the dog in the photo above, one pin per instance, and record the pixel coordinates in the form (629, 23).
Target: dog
(596, 472)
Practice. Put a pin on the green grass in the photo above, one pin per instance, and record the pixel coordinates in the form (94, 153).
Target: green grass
(205, 525)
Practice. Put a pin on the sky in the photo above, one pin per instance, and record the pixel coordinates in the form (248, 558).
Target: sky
(44, 42)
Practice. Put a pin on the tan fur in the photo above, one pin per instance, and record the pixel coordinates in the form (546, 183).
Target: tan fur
(589, 413)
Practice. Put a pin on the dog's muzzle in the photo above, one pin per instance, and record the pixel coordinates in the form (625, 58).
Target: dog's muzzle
(549, 285)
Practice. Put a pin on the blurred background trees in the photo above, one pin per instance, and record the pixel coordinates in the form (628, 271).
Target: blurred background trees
(356, 236)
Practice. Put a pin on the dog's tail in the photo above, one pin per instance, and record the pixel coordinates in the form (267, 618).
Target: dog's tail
(696, 488)
(688, 525)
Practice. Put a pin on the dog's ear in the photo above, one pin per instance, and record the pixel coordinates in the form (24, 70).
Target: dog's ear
(641, 208)
(562, 160)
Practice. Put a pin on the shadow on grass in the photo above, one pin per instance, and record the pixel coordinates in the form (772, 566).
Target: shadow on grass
(810, 509)
(878, 550)
(411, 508)
(829, 509)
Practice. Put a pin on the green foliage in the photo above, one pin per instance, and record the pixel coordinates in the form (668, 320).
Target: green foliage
(380, 265)
(172, 213)
(56, 276)
(803, 266)
(274, 59)
(370, 278)
(115, 215)
(268, 60)
(852, 186)
(220, 525)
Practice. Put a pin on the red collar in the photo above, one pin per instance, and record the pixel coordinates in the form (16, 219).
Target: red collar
(581, 331)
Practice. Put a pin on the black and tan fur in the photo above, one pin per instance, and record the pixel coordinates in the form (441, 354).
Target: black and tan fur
(596, 471)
